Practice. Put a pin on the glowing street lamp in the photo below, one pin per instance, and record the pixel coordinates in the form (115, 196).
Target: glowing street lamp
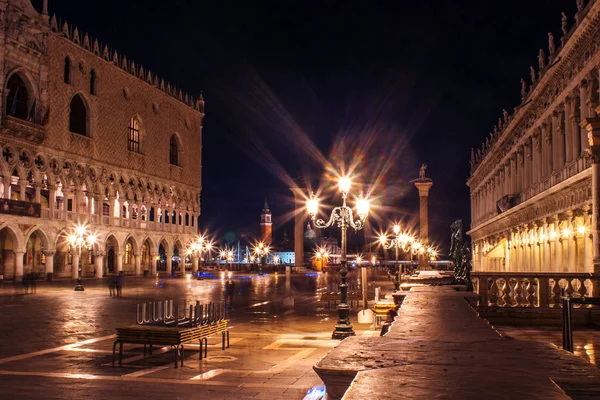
(78, 239)
(400, 241)
(230, 259)
(261, 250)
(343, 217)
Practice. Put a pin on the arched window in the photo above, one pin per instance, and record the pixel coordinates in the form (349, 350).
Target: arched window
(93, 79)
(17, 97)
(151, 216)
(187, 219)
(78, 116)
(133, 139)
(174, 151)
(67, 71)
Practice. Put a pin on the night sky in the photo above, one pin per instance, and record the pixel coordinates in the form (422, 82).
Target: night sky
(293, 85)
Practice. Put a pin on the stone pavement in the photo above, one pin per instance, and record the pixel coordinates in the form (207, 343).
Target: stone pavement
(57, 343)
(439, 348)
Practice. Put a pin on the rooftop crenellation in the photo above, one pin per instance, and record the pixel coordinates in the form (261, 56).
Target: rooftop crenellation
(544, 64)
(112, 56)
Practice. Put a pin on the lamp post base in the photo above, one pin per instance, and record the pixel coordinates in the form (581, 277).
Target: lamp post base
(79, 286)
(342, 331)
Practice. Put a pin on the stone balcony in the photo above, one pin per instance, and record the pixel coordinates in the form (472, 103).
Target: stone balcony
(107, 221)
(21, 129)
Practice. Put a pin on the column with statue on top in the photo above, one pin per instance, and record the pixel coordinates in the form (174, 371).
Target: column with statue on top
(423, 184)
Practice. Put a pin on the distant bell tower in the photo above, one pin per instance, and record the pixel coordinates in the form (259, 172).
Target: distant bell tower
(266, 226)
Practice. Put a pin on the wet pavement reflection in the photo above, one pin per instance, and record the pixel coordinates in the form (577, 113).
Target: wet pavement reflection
(57, 343)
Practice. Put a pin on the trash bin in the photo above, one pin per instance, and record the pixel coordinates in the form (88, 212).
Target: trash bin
(49, 276)
(146, 273)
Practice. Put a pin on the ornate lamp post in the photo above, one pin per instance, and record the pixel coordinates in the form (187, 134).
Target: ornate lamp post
(78, 239)
(201, 245)
(342, 216)
(230, 259)
(261, 250)
(223, 257)
(400, 241)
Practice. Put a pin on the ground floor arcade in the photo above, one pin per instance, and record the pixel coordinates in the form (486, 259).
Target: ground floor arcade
(44, 250)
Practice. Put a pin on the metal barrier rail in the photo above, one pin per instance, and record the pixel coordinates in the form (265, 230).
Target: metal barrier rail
(168, 313)
(567, 325)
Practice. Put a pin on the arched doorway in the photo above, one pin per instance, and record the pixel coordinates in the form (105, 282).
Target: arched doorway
(146, 255)
(110, 261)
(34, 261)
(8, 256)
(178, 258)
(112, 248)
(162, 258)
(129, 256)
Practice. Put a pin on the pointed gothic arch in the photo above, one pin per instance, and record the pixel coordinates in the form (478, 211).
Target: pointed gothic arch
(79, 115)
(175, 150)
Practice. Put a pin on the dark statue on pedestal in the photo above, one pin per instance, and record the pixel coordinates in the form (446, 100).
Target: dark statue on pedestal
(461, 255)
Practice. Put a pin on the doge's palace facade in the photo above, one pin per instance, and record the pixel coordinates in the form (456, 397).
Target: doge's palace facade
(534, 183)
(90, 137)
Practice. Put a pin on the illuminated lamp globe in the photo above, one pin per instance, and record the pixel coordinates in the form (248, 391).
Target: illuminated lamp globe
(344, 184)
(362, 207)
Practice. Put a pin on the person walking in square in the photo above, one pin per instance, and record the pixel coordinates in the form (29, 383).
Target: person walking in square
(120, 282)
(111, 286)
(229, 289)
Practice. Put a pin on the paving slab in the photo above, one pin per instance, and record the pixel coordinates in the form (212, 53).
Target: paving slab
(438, 347)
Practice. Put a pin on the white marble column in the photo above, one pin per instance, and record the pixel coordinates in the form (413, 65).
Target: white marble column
(99, 264)
(49, 261)
(38, 192)
(19, 265)
(119, 262)
(547, 149)
(138, 264)
(584, 113)
(194, 263)
(52, 200)
(74, 265)
(6, 182)
(571, 242)
(169, 263)
(153, 263)
(23, 189)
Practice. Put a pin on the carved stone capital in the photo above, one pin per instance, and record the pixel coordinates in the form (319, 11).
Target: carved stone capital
(594, 152)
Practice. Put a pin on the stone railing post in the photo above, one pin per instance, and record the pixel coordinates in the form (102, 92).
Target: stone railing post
(482, 286)
(543, 291)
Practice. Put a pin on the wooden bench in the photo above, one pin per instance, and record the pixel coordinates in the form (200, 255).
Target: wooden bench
(175, 337)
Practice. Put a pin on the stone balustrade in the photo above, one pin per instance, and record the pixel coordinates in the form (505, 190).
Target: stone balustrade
(532, 289)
